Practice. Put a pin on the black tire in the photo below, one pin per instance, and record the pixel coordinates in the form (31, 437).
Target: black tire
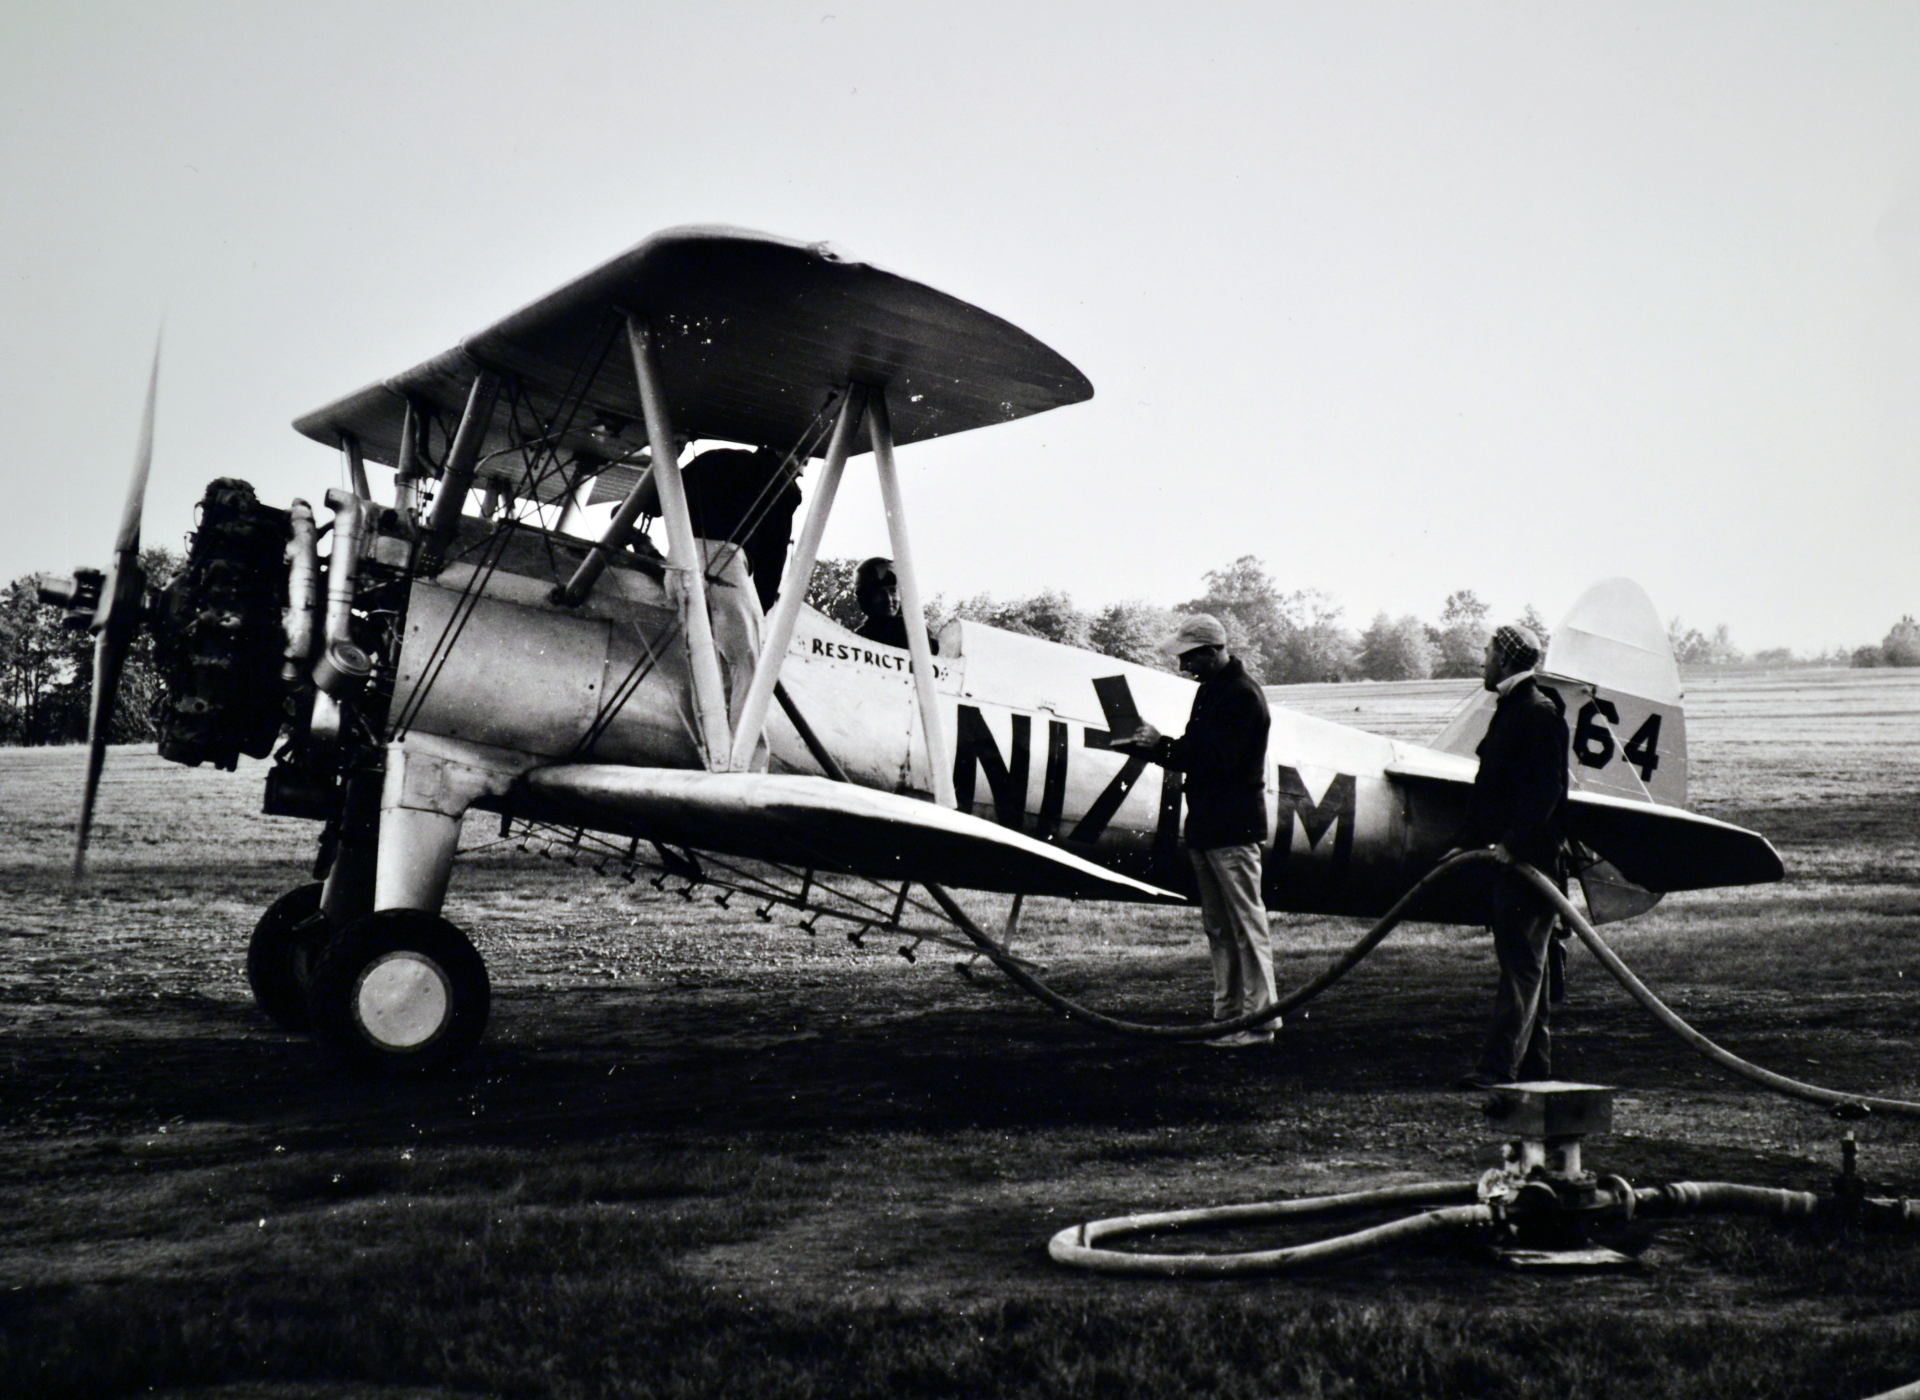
(400, 992)
(280, 956)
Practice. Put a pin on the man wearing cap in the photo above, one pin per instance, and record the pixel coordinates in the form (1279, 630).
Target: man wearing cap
(1224, 756)
(1518, 808)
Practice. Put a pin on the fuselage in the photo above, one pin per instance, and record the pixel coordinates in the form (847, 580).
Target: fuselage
(607, 682)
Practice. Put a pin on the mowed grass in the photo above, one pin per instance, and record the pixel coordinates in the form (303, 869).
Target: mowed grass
(705, 1155)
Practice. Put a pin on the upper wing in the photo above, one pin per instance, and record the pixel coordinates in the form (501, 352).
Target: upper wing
(798, 820)
(753, 332)
(1657, 847)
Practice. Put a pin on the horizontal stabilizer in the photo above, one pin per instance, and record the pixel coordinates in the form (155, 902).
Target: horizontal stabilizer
(793, 819)
(1669, 848)
(1656, 847)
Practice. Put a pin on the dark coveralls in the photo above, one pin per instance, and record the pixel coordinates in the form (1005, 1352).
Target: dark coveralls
(1224, 755)
(731, 495)
(1519, 801)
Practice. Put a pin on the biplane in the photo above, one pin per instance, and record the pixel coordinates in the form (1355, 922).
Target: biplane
(468, 644)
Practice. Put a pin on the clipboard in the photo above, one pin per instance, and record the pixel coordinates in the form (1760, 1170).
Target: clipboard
(1116, 703)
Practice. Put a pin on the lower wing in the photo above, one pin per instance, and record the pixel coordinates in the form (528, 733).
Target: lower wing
(792, 819)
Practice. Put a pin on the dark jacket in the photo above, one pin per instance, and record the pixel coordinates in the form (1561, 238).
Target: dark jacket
(1520, 792)
(1224, 755)
(891, 631)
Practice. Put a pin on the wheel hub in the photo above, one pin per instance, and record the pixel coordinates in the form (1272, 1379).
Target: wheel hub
(403, 1000)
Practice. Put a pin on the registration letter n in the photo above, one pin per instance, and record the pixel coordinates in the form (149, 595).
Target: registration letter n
(974, 749)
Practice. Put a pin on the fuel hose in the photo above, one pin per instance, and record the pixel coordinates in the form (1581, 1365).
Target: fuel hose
(1302, 994)
(1666, 1016)
(1840, 1100)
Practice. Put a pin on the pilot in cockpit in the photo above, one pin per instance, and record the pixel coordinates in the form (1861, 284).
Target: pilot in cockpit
(877, 589)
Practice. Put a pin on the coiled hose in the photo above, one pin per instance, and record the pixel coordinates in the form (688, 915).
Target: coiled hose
(1080, 1247)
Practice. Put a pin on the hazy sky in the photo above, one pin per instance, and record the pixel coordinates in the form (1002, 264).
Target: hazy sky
(1401, 298)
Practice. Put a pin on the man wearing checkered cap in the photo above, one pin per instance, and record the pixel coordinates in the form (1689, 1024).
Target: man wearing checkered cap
(1518, 809)
(1224, 756)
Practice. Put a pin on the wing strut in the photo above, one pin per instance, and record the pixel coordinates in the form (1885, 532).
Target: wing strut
(406, 471)
(356, 466)
(689, 564)
(870, 402)
(462, 459)
(595, 563)
(880, 427)
(793, 584)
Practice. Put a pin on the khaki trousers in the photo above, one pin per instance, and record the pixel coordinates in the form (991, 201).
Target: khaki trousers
(1235, 919)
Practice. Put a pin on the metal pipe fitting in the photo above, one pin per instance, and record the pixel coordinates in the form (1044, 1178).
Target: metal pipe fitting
(343, 564)
(303, 591)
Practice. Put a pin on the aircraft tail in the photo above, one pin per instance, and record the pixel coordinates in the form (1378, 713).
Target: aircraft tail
(1610, 667)
(1612, 664)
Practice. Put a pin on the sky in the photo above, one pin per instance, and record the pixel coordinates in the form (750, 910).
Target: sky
(1399, 298)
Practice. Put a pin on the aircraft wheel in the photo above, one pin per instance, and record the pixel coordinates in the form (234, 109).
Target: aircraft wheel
(280, 956)
(400, 992)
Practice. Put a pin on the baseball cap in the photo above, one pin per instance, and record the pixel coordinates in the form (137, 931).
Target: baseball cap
(1200, 630)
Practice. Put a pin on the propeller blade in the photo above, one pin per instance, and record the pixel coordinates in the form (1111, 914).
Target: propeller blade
(108, 660)
(129, 537)
(116, 620)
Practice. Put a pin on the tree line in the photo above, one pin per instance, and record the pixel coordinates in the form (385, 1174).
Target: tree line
(46, 669)
(1282, 637)
(1288, 638)
(1901, 647)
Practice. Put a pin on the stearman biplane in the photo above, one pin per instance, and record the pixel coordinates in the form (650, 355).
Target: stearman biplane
(468, 644)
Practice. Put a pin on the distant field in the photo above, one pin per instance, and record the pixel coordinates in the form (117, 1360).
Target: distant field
(703, 1154)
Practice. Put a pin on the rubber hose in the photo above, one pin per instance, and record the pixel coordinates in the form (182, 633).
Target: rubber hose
(1598, 946)
(1306, 992)
(1726, 1198)
(1665, 1015)
(1076, 1245)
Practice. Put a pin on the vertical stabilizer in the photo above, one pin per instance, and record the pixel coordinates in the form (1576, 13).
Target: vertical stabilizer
(1612, 665)
(1610, 668)
(1623, 709)
(1613, 636)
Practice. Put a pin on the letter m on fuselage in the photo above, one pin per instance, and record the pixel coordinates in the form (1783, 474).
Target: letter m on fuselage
(1335, 810)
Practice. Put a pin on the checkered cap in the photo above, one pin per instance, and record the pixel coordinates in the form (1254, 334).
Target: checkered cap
(1517, 644)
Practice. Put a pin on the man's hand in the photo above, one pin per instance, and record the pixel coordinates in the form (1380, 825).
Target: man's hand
(1145, 737)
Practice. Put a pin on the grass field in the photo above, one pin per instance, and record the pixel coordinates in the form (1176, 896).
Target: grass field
(700, 1154)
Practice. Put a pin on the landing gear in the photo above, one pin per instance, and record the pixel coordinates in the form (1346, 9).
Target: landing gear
(400, 992)
(280, 957)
